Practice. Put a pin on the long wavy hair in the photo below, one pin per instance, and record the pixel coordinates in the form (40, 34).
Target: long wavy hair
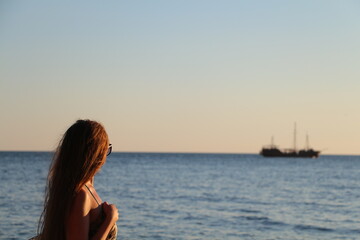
(79, 155)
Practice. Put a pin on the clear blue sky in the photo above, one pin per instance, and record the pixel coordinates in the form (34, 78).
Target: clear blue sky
(182, 76)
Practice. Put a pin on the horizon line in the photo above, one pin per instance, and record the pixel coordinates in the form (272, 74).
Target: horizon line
(180, 152)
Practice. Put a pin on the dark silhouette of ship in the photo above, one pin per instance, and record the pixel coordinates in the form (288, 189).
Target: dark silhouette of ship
(273, 151)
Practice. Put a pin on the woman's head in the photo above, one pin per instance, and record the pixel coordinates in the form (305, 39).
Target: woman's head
(80, 154)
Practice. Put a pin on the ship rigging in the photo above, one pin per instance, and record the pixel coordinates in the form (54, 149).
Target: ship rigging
(273, 151)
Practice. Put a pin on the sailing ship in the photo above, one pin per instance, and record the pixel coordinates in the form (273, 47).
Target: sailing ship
(273, 151)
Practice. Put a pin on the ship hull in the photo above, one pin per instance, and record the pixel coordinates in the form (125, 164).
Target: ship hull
(274, 152)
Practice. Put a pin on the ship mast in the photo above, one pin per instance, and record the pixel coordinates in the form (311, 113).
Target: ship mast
(307, 142)
(295, 137)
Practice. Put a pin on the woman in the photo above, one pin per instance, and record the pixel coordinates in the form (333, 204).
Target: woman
(72, 208)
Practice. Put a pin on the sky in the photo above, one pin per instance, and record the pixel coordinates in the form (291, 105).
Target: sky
(182, 76)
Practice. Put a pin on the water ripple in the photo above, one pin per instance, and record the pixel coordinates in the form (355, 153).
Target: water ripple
(201, 196)
(313, 228)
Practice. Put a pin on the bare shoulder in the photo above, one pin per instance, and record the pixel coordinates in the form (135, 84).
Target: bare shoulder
(81, 196)
(81, 202)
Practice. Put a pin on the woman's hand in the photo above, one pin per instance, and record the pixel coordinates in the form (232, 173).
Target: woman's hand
(111, 212)
(111, 216)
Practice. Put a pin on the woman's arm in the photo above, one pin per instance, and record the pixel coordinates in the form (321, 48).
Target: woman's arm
(78, 221)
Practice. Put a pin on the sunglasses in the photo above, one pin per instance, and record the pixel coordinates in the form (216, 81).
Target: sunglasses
(109, 150)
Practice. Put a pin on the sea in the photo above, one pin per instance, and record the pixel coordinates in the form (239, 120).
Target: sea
(200, 196)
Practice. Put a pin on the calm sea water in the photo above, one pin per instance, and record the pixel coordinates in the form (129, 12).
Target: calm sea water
(201, 196)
